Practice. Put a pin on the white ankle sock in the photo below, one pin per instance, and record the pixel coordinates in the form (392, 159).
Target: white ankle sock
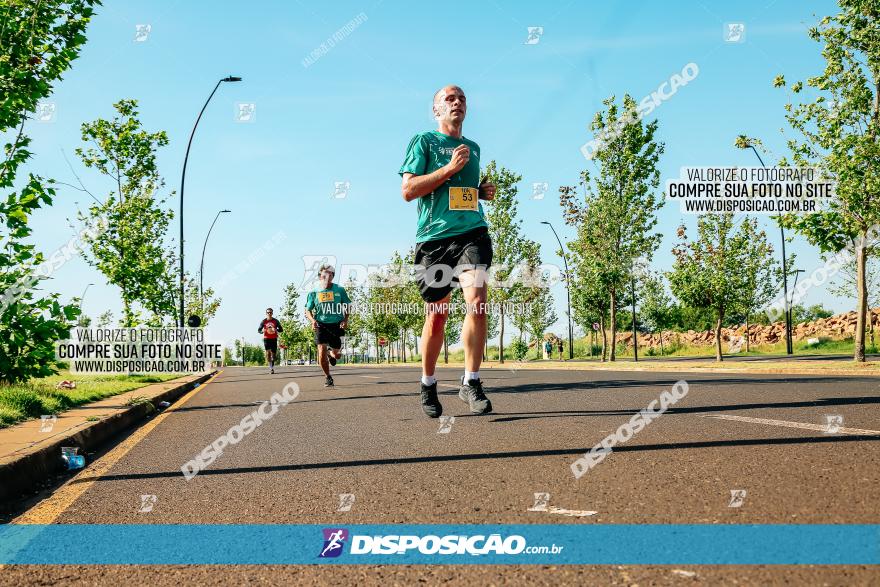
(429, 379)
(469, 375)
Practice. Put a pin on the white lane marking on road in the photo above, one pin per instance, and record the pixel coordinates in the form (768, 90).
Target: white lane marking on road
(449, 385)
(684, 573)
(564, 512)
(787, 424)
(371, 376)
(571, 513)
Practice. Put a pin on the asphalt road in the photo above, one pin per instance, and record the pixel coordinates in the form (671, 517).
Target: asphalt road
(367, 436)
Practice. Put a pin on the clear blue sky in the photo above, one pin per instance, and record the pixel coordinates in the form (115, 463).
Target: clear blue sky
(349, 116)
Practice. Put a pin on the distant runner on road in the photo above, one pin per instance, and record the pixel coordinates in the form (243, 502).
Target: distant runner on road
(270, 327)
(327, 310)
(441, 170)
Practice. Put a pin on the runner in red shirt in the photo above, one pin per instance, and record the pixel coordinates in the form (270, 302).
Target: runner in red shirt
(270, 327)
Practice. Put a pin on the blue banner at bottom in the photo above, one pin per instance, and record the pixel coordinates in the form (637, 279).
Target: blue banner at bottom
(684, 544)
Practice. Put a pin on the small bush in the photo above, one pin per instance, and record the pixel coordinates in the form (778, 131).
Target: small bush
(519, 350)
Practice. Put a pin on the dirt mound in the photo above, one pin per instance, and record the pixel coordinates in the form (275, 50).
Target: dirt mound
(835, 328)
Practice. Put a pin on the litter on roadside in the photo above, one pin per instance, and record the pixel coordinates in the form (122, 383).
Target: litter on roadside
(71, 459)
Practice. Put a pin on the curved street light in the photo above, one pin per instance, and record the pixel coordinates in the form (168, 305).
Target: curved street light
(230, 78)
(789, 347)
(83, 296)
(202, 264)
(567, 290)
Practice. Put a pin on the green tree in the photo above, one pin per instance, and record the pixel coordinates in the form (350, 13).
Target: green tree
(454, 322)
(687, 318)
(38, 43)
(614, 222)
(239, 351)
(404, 291)
(105, 319)
(204, 306)
(254, 354)
(296, 335)
(131, 253)
(377, 323)
(356, 335)
(507, 242)
(656, 305)
(845, 284)
(289, 315)
(759, 272)
(800, 313)
(708, 272)
(589, 298)
(839, 131)
(538, 312)
(531, 261)
(492, 322)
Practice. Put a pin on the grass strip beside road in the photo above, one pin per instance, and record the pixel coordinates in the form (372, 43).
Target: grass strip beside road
(39, 397)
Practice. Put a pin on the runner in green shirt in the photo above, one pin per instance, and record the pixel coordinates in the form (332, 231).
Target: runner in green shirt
(327, 309)
(441, 170)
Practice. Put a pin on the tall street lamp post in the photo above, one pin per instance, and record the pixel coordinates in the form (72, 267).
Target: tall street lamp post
(83, 296)
(202, 264)
(788, 346)
(567, 290)
(182, 318)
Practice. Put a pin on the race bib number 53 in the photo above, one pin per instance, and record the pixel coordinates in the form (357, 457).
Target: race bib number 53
(463, 198)
(325, 296)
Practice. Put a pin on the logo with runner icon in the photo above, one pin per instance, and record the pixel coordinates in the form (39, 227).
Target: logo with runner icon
(334, 540)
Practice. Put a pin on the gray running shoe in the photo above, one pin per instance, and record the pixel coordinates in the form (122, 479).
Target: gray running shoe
(472, 393)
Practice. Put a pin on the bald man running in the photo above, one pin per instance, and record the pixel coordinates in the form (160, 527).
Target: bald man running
(442, 171)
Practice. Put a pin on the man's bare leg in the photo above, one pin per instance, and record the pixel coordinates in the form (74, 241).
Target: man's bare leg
(270, 359)
(432, 334)
(432, 341)
(473, 336)
(324, 361)
(473, 332)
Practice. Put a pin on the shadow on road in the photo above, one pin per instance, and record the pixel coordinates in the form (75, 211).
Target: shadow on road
(488, 456)
(411, 394)
(842, 401)
(629, 383)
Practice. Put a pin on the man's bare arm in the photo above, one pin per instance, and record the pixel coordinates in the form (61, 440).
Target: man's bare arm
(414, 187)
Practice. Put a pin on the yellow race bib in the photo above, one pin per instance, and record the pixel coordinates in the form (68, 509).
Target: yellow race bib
(325, 296)
(464, 198)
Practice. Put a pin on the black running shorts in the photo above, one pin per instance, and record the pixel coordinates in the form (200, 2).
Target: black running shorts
(329, 333)
(270, 344)
(444, 259)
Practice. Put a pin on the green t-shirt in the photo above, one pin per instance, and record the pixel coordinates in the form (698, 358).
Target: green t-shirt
(327, 305)
(427, 152)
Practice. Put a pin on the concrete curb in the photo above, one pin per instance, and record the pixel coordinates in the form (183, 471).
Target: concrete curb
(24, 471)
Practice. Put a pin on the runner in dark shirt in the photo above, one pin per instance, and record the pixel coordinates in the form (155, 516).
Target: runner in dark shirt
(270, 327)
